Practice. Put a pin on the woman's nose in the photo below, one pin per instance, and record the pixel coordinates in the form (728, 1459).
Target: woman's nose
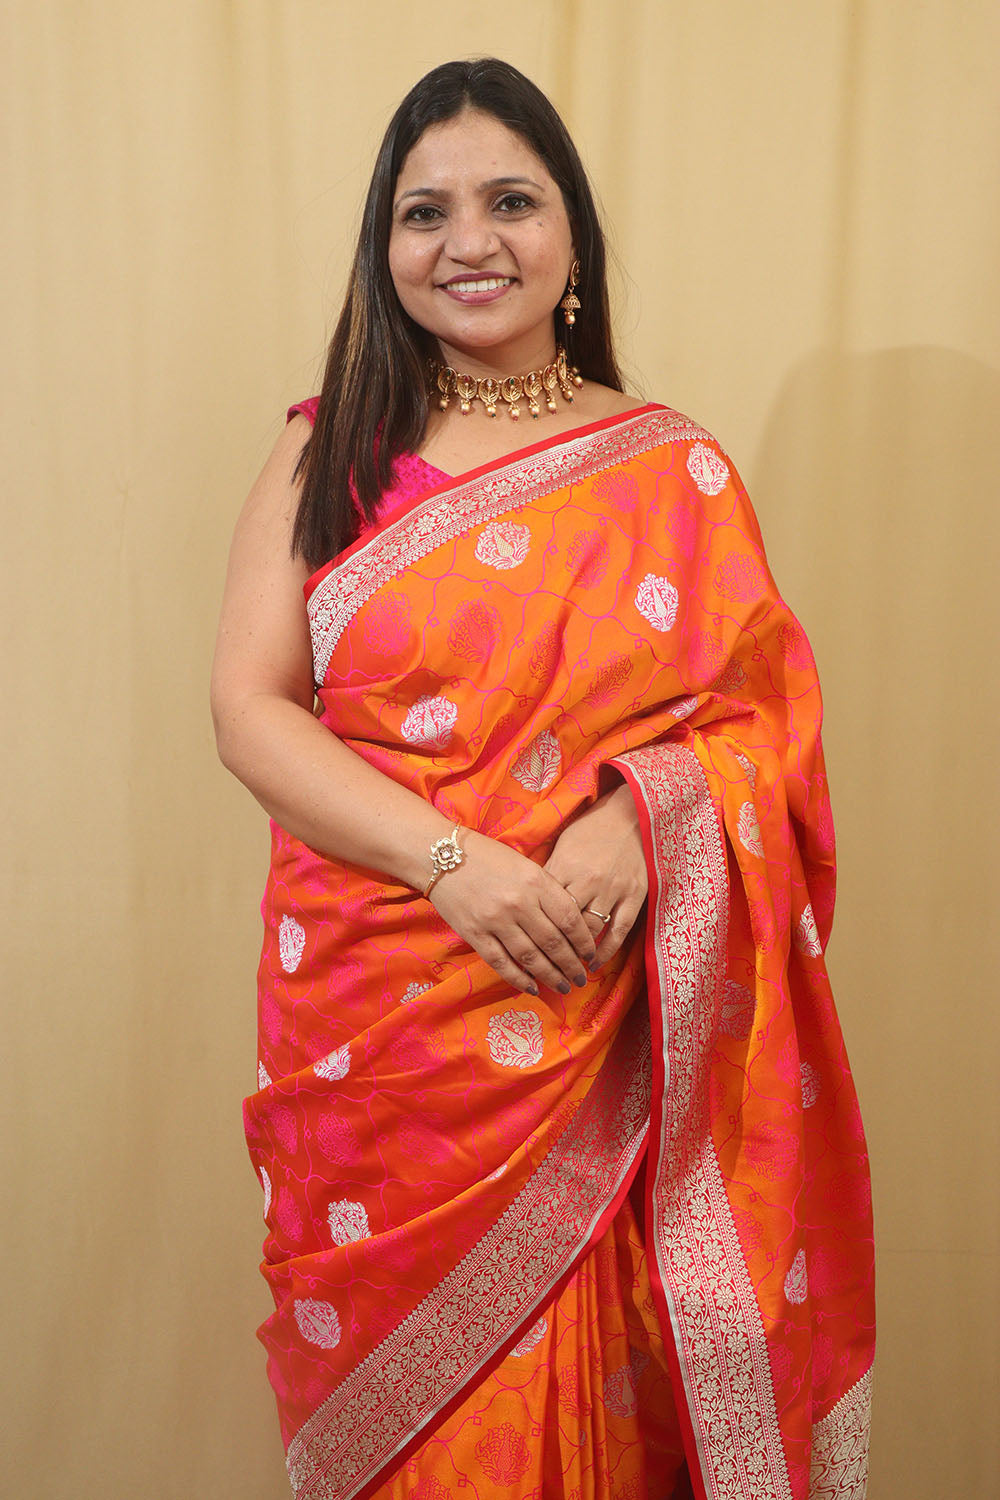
(471, 238)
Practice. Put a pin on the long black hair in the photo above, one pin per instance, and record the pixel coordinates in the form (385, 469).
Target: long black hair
(373, 404)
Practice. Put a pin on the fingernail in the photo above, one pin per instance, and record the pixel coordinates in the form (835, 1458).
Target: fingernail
(532, 989)
(563, 987)
(581, 979)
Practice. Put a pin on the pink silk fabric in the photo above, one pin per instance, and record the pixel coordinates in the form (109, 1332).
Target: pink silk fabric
(444, 1161)
(412, 477)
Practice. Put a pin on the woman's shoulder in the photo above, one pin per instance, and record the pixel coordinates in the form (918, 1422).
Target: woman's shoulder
(601, 402)
(306, 408)
(673, 425)
(595, 402)
(619, 402)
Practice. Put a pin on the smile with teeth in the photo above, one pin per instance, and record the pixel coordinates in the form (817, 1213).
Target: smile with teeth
(484, 284)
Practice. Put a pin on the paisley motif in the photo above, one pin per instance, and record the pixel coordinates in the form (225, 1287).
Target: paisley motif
(619, 487)
(532, 1337)
(731, 679)
(387, 624)
(587, 556)
(348, 1222)
(656, 600)
(430, 722)
(503, 1454)
(291, 943)
(741, 577)
(709, 472)
(749, 769)
(475, 629)
(515, 1038)
(797, 1282)
(749, 830)
(503, 545)
(806, 936)
(318, 1322)
(335, 1065)
(337, 1138)
(738, 1006)
(538, 764)
(794, 647)
(609, 681)
(621, 1393)
(417, 987)
(681, 708)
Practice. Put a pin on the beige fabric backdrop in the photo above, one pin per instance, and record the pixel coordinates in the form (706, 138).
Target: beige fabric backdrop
(807, 202)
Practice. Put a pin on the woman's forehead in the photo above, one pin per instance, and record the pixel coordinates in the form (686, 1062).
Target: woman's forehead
(472, 148)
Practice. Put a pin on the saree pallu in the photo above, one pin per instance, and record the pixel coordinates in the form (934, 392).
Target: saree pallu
(441, 1155)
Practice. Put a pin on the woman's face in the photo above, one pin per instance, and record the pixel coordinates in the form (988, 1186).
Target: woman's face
(481, 245)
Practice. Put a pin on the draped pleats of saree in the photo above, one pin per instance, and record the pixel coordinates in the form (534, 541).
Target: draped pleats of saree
(581, 1404)
(538, 1246)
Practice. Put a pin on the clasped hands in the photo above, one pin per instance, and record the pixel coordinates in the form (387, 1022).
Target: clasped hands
(531, 922)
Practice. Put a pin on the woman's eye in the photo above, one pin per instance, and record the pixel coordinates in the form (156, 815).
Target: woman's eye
(514, 202)
(424, 213)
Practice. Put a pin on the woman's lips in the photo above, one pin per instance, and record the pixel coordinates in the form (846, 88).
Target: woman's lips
(475, 289)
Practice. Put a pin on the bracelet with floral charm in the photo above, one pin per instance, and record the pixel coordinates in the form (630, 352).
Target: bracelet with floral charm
(446, 854)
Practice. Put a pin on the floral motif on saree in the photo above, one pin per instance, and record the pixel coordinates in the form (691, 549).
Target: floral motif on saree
(440, 1154)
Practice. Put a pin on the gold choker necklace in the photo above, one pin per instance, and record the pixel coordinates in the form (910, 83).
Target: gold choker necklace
(558, 376)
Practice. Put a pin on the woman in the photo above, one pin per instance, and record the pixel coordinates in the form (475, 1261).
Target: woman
(563, 1200)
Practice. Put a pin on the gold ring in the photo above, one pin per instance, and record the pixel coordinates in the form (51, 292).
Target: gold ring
(600, 914)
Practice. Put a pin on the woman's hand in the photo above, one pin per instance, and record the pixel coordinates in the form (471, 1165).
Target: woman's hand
(516, 916)
(598, 859)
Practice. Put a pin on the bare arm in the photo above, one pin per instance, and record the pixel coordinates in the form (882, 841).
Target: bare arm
(518, 917)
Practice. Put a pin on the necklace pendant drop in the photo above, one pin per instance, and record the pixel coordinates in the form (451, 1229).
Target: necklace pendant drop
(559, 377)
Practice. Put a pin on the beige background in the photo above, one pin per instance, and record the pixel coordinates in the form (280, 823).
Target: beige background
(807, 201)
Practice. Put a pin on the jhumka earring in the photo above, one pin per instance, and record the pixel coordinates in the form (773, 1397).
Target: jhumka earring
(571, 304)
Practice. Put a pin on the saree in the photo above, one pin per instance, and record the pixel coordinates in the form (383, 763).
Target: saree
(501, 1227)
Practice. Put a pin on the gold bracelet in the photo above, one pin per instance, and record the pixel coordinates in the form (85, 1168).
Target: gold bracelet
(446, 854)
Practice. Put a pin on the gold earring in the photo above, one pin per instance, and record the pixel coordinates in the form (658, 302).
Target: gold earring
(571, 304)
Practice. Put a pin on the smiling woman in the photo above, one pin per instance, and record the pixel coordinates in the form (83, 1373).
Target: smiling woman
(477, 264)
(563, 1172)
(476, 180)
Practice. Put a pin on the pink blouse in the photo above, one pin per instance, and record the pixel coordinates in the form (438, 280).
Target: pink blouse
(411, 476)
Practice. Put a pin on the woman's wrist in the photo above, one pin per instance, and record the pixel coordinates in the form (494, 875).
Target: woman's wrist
(416, 865)
(446, 854)
(617, 798)
(621, 798)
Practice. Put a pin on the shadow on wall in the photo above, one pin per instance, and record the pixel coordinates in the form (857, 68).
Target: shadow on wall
(877, 484)
(877, 480)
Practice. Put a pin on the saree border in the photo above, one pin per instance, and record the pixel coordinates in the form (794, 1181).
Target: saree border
(458, 1328)
(839, 1466)
(475, 499)
(701, 1272)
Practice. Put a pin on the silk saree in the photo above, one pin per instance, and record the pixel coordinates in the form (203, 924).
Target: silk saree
(556, 1246)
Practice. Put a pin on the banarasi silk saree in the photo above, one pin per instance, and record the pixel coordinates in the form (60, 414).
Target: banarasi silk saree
(582, 1247)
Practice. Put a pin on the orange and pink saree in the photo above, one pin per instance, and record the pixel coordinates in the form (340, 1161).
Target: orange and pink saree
(552, 1247)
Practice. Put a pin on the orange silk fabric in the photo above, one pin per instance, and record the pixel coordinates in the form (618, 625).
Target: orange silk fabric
(438, 1153)
(582, 1404)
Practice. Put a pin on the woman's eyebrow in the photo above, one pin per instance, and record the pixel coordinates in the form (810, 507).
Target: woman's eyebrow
(494, 182)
